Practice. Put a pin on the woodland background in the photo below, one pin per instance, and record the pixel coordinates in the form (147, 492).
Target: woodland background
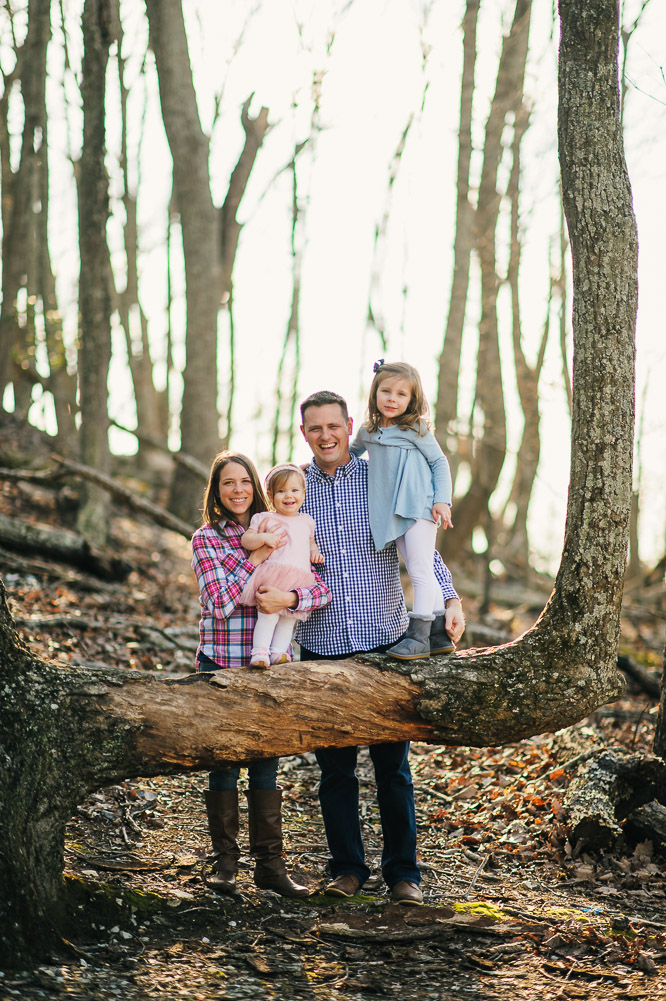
(155, 258)
(338, 182)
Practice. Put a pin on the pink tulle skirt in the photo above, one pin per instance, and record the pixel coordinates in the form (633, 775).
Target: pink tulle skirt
(281, 575)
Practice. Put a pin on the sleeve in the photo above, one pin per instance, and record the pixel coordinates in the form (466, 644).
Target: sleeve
(444, 579)
(312, 526)
(310, 598)
(221, 574)
(439, 467)
(358, 446)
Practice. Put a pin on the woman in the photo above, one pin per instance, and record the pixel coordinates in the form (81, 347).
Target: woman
(222, 567)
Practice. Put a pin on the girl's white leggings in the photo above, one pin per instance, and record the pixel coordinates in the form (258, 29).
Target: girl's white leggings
(417, 548)
(273, 632)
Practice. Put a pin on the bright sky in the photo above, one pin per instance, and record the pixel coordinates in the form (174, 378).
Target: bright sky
(373, 80)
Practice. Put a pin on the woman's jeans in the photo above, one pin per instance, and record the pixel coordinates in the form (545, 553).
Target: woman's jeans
(339, 800)
(261, 774)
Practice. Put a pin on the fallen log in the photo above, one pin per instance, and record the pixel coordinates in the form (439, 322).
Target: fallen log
(606, 789)
(648, 823)
(60, 544)
(648, 681)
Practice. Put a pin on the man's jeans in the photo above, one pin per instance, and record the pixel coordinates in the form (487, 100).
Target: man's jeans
(339, 800)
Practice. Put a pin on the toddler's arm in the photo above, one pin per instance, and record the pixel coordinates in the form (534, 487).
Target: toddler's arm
(315, 555)
(252, 540)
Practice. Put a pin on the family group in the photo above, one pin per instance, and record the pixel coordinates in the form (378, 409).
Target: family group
(253, 557)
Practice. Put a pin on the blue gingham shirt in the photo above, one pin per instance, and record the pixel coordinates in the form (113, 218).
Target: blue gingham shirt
(367, 607)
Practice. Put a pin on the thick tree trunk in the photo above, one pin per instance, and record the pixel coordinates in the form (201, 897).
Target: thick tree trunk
(95, 276)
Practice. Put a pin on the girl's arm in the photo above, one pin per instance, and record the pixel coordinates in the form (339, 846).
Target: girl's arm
(358, 446)
(252, 540)
(441, 477)
(315, 555)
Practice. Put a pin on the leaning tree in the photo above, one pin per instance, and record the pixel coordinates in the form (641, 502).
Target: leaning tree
(64, 732)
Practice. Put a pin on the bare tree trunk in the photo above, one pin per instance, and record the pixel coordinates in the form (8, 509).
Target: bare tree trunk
(20, 197)
(490, 450)
(516, 544)
(446, 408)
(190, 149)
(151, 404)
(95, 275)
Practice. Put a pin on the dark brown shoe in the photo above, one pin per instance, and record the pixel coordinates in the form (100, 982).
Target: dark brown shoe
(407, 893)
(345, 885)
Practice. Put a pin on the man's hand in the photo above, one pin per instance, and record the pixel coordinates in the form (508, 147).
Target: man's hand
(454, 620)
(272, 599)
(441, 514)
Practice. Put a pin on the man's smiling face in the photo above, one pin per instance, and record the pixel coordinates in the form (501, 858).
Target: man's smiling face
(327, 433)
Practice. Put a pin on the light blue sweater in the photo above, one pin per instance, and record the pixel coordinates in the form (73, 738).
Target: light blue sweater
(408, 473)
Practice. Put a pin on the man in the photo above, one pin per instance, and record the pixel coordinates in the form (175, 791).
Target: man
(367, 613)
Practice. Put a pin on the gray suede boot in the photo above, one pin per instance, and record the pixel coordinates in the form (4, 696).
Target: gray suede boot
(415, 644)
(440, 641)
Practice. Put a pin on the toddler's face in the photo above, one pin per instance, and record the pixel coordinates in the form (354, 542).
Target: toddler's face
(288, 498)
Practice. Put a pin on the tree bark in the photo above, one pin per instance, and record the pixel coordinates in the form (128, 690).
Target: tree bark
(95, 275)
(490, 450)
(446, 408)
(198, 217)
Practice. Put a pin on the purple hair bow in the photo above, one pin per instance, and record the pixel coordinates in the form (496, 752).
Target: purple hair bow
(378, 364)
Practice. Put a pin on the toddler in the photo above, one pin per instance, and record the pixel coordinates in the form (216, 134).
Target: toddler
(287, 568)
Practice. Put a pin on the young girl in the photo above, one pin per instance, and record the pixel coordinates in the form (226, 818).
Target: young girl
(291, 537)
(409, 491)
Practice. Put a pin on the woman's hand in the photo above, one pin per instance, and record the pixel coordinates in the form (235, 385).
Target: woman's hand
(258, 556)
(272, 599)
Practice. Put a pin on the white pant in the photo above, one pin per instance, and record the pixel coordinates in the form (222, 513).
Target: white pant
(417, 548)
(273, 632)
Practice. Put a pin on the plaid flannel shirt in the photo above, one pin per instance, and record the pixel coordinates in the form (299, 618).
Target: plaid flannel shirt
(222, 569)
(367, 607)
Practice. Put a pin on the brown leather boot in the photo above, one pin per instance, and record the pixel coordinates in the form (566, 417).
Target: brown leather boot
(222, 809)
(265, 823)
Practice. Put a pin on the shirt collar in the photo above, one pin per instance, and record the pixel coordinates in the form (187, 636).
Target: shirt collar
(341, 472)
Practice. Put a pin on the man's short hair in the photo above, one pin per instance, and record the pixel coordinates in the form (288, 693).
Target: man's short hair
(322, 399)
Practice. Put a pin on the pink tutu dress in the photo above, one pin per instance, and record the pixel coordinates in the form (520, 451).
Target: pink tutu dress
(289, 566)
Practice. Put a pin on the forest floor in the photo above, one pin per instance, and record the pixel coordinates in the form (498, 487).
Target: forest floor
(512, 909)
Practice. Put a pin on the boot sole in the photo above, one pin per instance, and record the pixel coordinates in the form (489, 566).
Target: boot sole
(416, 656)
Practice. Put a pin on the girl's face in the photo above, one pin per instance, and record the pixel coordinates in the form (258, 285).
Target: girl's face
(393, 398)
(236, 492)
(288, 497)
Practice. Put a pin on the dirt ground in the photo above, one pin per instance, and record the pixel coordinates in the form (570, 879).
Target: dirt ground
(512, 909)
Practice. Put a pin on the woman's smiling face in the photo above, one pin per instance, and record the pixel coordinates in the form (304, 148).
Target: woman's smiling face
(236, 492)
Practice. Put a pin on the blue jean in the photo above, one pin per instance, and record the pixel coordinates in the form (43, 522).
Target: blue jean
(261, 774)
(339, 801)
